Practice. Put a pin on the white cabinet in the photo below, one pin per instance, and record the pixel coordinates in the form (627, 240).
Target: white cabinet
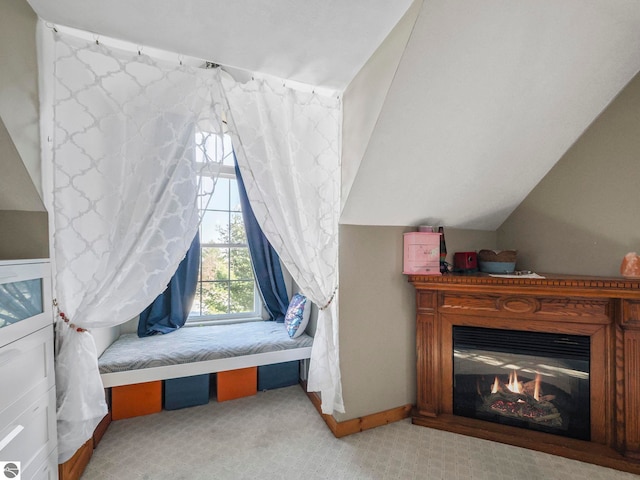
(27, 379)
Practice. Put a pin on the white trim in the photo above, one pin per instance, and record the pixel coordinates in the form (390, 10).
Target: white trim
(196, 322)
(167, 372)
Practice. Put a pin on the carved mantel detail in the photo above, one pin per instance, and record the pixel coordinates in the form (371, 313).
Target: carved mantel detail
(519, 304)
(605, 309)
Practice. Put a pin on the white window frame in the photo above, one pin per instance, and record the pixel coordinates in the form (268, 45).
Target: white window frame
(228, 172)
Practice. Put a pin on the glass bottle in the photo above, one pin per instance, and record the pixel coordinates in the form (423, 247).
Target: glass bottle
(443, 251)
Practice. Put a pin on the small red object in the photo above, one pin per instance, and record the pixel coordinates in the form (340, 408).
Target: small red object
(465, 262)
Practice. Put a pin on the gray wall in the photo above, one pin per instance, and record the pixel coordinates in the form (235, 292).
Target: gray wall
(19, 104)
(377, 316)
(582, 218)
(24, 232)
(23, 235)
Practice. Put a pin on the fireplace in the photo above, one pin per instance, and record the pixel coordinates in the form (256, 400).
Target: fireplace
(532, 380)
(549, 364)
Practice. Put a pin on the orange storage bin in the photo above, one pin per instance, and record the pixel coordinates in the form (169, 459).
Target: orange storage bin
(134, 400)
(237, 383)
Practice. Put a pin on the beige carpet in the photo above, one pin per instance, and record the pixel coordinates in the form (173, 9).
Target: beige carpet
(279, 435)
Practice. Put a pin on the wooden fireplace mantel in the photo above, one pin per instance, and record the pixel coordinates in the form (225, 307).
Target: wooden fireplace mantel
(605, 309)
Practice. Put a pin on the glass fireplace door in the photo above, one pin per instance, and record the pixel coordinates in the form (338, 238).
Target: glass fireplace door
(538, 381)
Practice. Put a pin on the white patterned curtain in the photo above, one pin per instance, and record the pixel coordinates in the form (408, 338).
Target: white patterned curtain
(288, 150)
(124, 200)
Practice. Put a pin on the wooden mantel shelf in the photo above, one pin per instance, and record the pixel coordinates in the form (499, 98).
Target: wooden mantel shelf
(607, 310)
(603, 287)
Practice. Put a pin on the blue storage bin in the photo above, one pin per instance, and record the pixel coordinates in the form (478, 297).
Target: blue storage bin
(278, 375)
(186, 392)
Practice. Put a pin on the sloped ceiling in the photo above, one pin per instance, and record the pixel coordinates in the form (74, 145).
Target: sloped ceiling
(487, 97)
(364, 97)
(318, 42)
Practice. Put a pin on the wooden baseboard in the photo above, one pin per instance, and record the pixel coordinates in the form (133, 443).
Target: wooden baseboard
(349, 427)
(101, 429)
(73, 468)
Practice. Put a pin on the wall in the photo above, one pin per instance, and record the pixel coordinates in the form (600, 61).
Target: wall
(364, 97)
(377, 316)
(23, 219)
(23, 235)
(19, 105)
(582, 218)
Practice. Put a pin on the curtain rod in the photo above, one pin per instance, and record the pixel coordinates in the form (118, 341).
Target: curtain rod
(196, 62)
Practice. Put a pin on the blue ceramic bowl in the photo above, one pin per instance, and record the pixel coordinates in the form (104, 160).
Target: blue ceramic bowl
(497, 267)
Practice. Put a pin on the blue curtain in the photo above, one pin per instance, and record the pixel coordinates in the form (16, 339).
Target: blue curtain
(265, 260)
(169, 311)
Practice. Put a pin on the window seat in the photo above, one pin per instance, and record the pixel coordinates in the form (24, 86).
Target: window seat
(198, 350)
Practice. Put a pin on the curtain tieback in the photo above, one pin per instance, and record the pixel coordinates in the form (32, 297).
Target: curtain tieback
(333, 295)
(64, 317)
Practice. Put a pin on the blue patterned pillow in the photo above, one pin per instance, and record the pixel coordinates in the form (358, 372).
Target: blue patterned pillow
(297, 317)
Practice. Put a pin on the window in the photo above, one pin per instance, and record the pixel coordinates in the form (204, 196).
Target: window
(226, 286)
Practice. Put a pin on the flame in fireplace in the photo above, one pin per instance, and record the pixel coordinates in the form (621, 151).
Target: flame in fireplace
(513, 385)
(496, 386)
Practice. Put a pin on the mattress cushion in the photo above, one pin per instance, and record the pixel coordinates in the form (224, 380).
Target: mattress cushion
(197, 344)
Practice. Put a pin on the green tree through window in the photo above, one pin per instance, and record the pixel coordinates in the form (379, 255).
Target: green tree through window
(226, 274)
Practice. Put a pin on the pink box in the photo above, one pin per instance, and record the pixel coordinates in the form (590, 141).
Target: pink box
(421, 253)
